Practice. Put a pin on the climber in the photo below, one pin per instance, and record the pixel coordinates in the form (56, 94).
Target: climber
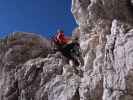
(60, 39)
(68, 46)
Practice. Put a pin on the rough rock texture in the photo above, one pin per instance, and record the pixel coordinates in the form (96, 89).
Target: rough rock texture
(30, 70)
(106, 40)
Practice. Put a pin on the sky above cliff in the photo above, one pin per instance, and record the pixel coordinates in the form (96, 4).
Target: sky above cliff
(39, 16)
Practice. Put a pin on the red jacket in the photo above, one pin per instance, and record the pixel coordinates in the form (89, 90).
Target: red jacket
(61, 39)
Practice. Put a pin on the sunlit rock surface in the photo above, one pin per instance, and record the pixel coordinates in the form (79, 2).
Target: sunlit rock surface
(106, 41)
(30, 70)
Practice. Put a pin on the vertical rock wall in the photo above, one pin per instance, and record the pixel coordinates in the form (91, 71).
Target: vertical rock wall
(106, 40)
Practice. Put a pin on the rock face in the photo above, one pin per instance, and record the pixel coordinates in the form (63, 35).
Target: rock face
(106, 41)
(30, 70)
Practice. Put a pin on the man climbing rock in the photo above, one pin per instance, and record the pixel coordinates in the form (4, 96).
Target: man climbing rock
(69, 47)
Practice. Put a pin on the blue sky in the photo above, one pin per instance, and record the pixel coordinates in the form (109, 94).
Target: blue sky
(39, 16)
